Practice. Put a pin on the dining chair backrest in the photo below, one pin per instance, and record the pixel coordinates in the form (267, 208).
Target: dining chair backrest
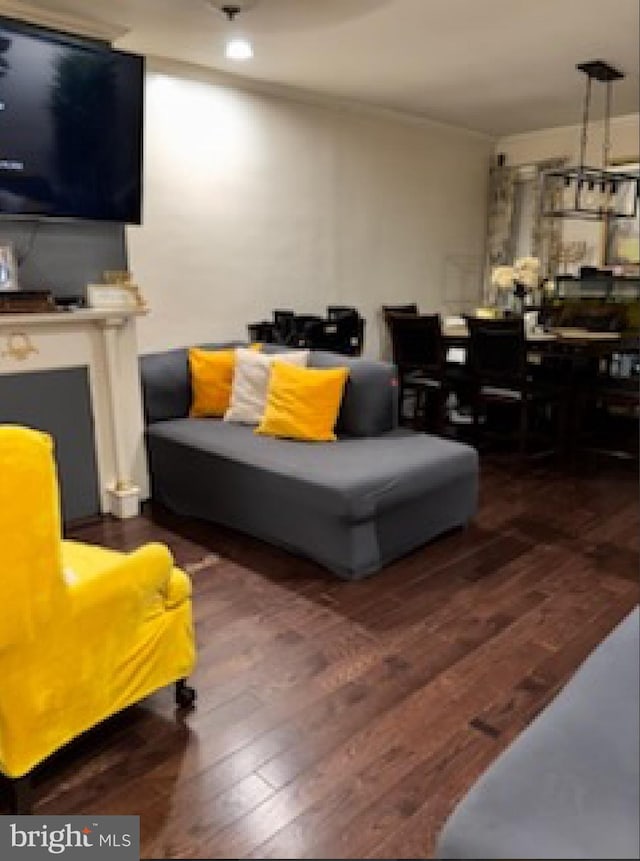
(497, 351)
(596, 316)
(284, 322)
(264, 332)
(410, 308)
(416, 341)
(351, 330)
(334, 312)
(301, 325)
(343, 335)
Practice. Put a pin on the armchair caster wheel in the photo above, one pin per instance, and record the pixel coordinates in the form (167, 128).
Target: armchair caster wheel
(185, 695)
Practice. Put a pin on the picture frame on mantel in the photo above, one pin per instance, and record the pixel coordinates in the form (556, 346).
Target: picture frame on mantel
(8, 269)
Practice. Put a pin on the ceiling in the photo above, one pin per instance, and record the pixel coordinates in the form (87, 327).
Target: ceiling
(496, 66)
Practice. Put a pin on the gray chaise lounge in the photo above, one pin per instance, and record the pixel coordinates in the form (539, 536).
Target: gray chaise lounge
(352, 506)
(568, 787)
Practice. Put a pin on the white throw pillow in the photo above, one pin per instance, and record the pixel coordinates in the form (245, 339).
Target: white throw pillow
(251, 382)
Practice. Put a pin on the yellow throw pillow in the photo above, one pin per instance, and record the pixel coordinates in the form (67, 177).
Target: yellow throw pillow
(303, 403)
(211, 380)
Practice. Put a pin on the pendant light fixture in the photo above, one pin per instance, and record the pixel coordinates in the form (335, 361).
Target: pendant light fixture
(237, 47)
(590, 192)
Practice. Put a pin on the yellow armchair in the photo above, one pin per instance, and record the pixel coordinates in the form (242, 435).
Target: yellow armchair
(84, 631)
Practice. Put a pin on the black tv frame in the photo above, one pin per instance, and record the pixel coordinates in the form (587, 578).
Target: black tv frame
(72, 39)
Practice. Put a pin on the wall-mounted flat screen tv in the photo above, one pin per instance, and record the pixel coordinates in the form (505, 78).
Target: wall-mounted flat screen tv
(71, 113)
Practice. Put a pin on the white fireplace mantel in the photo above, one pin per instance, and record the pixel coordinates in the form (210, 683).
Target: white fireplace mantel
(67, 318)
(103, 341)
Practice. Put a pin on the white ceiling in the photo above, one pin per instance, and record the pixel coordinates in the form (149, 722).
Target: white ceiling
(497, 66)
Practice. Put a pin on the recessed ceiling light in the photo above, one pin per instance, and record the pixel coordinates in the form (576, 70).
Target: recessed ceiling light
(238, 49)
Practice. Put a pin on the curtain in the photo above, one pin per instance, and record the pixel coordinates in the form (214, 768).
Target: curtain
(500, 212)
(546, 234)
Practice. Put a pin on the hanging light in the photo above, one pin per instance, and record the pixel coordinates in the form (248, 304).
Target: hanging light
(590, 192)
(237, 47)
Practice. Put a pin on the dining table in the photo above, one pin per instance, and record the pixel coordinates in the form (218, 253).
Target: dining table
(458, 333)
(577, 356)
(561, 341)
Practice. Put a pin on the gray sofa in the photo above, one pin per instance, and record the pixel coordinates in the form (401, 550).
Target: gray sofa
(353, 505)
(568, 787)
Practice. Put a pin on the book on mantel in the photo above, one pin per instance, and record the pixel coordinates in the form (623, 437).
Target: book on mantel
(26, 301)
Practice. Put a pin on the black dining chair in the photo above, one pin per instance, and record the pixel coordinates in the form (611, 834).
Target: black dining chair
(608, 407)
(301, 326)
(342, 335)
(418, 353)
(387, 310)
(263, 332)
(284, 322)
(336, 311)
(500, 375)
(352, 328)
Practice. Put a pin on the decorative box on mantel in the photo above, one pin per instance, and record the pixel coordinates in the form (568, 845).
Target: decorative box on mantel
(103, 342)
(26, 301)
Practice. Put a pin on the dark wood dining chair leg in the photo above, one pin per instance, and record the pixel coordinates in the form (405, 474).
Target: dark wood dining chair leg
(567, 449)
(425, 411)
(523, 430)
(21, 796)
(475, 406)
(441, 411)
(407, 393)
(419, 410)
(401, 394)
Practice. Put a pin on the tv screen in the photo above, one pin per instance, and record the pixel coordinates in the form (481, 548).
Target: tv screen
(70, 127)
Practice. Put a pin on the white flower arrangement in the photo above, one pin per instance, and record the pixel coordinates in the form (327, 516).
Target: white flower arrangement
(525, 272)
(502, 277)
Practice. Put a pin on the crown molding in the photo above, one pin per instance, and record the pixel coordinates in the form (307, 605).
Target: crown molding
(168, 66)
(572, 129)
(61, 20)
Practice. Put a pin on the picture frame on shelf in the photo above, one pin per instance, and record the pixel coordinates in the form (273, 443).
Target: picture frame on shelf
(8, 269)
(110, 297)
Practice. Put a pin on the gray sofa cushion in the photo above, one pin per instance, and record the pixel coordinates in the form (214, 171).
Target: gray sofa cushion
(370, 402)
(351, 479)
(353, 505)
(568, 787)
(166, 385)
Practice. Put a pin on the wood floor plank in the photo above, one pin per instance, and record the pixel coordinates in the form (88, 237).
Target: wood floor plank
(414, 817)
(462, 754)
(516, 708)
(201, 810)
(346, 719)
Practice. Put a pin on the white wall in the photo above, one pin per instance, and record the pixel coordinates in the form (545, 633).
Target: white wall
(565, 142)
(255, 201)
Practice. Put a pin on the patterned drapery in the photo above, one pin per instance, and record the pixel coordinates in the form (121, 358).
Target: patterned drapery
(546, 235)
(500, 211)
(501, 208)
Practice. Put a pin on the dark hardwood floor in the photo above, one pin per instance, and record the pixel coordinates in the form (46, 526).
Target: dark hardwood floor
(346, 720)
